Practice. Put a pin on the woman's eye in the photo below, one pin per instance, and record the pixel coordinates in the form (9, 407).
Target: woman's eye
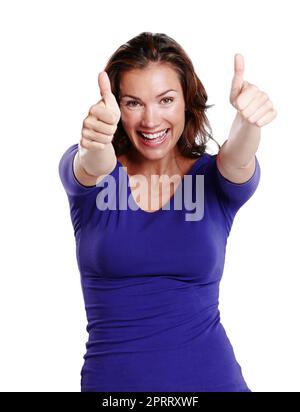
(131, 103)
(168, 98)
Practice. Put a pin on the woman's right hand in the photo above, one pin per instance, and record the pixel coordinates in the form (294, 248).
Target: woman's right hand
(101, 123)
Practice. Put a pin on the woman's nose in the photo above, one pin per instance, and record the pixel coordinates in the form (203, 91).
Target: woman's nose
(150, 118)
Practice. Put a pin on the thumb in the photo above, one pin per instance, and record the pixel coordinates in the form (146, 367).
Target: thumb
(105, 89)
(238, 78)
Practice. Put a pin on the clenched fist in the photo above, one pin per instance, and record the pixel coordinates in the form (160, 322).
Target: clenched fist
(101, 123)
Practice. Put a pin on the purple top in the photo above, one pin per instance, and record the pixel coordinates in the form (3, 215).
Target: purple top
(150, 283)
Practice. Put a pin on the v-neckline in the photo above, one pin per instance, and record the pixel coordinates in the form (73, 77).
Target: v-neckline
(167, 205)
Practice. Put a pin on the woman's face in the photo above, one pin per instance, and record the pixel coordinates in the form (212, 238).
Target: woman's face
(151, 100)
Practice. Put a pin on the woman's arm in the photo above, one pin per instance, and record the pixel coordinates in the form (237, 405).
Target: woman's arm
(99, 163)
(236, 158)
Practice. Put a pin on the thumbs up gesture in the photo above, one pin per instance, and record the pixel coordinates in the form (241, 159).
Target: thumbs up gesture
(253, 104)
(101, 123)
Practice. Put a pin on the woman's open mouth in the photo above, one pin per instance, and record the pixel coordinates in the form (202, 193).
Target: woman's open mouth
(149, 141)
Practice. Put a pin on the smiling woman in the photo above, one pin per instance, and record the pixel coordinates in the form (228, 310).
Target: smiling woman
(174, 89)
(150, 278)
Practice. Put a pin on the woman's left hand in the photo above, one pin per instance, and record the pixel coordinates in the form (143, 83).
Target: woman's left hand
(253, 104)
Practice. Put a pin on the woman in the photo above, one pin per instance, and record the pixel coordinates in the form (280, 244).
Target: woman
(150, 276)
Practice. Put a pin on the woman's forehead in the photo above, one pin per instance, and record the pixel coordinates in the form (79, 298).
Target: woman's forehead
(158, 79)
(152, 69)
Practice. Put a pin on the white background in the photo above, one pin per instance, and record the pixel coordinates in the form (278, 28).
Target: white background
(51, 54)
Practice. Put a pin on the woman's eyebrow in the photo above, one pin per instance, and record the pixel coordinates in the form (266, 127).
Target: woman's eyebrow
(161, 94)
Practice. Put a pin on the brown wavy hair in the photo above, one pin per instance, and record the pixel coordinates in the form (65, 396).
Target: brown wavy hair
(148, 47)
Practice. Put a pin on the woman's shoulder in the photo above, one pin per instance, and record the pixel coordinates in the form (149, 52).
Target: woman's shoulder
(204, 162)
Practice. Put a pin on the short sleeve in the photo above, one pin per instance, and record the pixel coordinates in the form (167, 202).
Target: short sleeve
(234, 195)
(83, 198)
(66, 172)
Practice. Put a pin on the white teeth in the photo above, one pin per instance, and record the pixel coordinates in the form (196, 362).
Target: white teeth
(154, 136)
